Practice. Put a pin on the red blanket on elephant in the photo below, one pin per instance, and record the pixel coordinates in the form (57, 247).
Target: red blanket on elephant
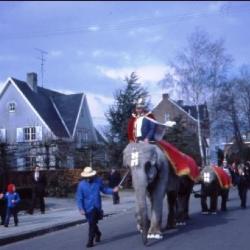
(224, 179)
(182, 163)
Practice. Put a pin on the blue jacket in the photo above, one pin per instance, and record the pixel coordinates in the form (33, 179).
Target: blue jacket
(148, 129)
(88, 194)
(10, 197)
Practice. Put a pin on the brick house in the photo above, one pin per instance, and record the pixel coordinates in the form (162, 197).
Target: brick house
(170, 110)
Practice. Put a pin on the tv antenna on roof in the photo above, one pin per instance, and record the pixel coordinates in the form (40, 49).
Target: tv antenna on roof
(42, 59)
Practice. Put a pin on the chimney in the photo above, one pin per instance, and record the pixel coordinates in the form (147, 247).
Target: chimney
(180, 102)
(32, 81)
(165, 96)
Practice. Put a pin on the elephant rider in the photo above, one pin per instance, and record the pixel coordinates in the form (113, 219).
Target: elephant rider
(140, 128)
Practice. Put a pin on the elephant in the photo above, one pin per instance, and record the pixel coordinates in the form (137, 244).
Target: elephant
(152, 177)
(211, 187)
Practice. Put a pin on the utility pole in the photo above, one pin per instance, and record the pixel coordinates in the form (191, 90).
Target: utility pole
(42, 59)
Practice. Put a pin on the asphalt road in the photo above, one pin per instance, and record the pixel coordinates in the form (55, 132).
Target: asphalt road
(225, 231)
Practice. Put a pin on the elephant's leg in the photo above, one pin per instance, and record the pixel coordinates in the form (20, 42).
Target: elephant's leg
(181, 207)
(172, 197)
(213, 203)
(224, 198)
(156, 212)
(186, 211)
(204, 207)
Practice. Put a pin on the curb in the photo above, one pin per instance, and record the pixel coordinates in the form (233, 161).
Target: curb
(40, 232)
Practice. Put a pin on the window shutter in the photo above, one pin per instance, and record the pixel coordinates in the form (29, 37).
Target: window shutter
(20, 162)
(2, 135)
(19, 135)
(39, 134)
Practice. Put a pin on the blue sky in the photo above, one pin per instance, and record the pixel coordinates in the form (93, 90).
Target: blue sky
(92, 46)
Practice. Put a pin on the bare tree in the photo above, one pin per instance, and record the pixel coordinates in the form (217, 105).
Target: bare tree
(228, 103)
(200, 69)
(243, 83)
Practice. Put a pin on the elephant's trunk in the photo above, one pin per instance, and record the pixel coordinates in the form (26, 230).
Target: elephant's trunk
(140, 186)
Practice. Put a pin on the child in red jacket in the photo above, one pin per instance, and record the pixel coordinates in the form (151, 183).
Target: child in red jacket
(12, 198)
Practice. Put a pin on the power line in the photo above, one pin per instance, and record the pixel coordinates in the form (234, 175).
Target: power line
(42, 59)
(106, 27)
(112, 27)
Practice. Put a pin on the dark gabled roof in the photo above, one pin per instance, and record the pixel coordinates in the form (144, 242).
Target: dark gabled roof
(44, 102)
(68, 106)
(193, 112)
(100, 137)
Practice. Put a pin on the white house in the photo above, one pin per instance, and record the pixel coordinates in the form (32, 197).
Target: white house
(42, 126)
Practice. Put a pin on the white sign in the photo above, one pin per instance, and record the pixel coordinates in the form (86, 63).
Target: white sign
(134, 159)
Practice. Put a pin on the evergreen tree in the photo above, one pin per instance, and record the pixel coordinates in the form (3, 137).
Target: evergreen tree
(119, 114)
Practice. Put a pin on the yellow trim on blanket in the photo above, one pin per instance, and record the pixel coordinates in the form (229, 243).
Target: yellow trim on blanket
(185, 171)
(221, 184)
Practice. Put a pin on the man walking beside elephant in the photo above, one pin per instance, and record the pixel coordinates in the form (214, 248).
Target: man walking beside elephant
(89, 201)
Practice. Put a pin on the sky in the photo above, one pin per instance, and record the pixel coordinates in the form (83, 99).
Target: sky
(92, 46)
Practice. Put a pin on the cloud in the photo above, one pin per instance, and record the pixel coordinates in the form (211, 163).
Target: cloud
(7, 58)
(93, 28)
(149, 76)
(55, 53)
(139, 31)
(154, 39)
(217, 6)
(146, 73)
(122, 55)
(80, 52)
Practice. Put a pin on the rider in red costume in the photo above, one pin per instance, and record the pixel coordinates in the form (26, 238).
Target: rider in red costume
(142, 127)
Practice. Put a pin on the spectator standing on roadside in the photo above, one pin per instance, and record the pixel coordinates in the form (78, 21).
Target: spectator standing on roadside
(38, 190)
(114, 181)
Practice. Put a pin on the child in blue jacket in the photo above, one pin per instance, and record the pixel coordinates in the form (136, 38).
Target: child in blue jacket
(12, 198)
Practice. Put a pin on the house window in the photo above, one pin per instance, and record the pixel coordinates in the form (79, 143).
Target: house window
(30, 161)
(167, 117)
(29, 134)
(85, 136)
(12, 107)
(82, 136)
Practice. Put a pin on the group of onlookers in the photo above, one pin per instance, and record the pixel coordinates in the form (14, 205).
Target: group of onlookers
(10, 199)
